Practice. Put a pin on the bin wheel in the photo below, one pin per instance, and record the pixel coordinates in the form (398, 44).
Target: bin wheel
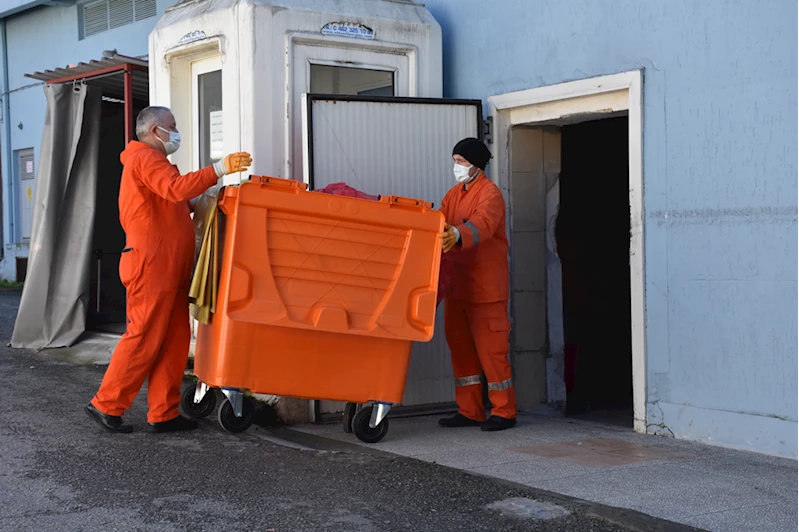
(199, 410)
(349, 415)
(233, 424)
(360, 426)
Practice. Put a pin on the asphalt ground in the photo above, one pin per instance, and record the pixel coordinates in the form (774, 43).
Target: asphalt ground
(60, 471)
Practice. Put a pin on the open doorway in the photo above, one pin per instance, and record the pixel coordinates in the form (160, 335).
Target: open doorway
(538, 134)
(107, 300)
(592, 233)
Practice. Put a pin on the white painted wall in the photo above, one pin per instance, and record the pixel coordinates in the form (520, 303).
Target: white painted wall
(265, 50)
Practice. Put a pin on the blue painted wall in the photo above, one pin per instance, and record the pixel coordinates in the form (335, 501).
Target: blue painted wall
(720, 155)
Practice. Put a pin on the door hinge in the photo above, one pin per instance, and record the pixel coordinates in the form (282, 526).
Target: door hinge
(488, 129)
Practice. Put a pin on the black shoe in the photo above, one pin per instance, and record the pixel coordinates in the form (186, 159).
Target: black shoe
(109, 423)
(458, 420)
(176, 424)
(495, 423)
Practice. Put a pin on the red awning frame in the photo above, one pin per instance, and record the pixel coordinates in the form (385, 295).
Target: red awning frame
(111, 65)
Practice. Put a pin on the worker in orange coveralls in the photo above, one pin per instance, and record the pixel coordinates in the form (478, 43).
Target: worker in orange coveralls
(476, 318)
(156, 268)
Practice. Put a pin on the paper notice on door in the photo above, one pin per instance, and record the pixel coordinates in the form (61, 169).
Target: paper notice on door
(217, 135)
(28, 167)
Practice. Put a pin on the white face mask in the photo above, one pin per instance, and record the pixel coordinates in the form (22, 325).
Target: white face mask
(172, 145)
(461, 173)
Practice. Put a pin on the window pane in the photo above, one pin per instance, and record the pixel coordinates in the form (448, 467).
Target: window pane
(351, 81)
(209, 89)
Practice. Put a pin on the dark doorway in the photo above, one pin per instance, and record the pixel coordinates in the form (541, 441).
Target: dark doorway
(107, 300)
(593, 240)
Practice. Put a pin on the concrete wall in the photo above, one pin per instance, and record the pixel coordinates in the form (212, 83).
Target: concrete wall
(535, 165)
(40, 39)
(720, 152)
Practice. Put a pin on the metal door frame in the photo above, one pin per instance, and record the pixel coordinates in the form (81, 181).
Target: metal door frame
(309, 100)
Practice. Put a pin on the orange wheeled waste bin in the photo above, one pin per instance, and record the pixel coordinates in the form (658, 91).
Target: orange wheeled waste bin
(319, 297)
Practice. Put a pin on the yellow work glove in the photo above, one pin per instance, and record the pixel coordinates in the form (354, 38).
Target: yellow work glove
(448, 238)
(237, 162)
(233, 163)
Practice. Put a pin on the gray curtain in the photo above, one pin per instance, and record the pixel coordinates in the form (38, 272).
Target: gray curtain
(54, 303)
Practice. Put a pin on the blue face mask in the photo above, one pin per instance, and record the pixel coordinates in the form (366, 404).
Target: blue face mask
(172, 145)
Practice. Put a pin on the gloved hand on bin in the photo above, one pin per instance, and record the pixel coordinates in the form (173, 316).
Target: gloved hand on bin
(233, 163)
(449, 238)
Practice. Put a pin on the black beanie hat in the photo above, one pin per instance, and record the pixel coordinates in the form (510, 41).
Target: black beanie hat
(473, 151)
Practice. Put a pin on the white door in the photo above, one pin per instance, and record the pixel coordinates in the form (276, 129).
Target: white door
(333, 70)
(207, 126)
(392, 146)
(207, 123)
(26, 176)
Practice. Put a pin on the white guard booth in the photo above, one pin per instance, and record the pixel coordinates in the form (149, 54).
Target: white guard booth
(234, 71)
(245, 76)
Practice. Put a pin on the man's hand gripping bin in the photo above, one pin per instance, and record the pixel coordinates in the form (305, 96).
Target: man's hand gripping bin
(320, 296)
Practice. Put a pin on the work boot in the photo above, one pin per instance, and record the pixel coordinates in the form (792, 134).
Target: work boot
(496, 423)
(458, 420)
(176, 424)
(109, 423)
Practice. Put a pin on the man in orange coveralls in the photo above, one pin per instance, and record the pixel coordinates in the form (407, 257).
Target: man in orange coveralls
(476, 319)
(156, 268)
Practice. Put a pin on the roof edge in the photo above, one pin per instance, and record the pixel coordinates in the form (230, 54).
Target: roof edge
(20, 6)
(110, 62)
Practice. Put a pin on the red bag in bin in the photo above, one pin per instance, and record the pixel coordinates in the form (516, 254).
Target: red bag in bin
(342, 189)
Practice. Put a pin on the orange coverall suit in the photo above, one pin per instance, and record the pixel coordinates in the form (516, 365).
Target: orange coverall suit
(156, 269)
(476, 317)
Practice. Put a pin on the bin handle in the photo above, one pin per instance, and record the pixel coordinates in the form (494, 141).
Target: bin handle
(280, 182)
(406, 202)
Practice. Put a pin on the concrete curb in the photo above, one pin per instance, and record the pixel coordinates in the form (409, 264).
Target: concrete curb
(619, 516)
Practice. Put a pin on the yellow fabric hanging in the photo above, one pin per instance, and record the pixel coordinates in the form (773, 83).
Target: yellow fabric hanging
(202, 293)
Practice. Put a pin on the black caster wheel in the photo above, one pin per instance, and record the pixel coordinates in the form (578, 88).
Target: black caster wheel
(360, 426)
(349, 415)
(233, 424)
(199, 410)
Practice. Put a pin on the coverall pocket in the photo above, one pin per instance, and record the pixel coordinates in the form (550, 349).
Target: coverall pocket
(498, 325)
(128, 265)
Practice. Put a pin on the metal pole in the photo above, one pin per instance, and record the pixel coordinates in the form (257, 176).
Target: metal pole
(128, 104)
(8, 167)
(99, 277)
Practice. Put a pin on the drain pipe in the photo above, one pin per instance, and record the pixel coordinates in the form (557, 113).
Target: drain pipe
(9, 153)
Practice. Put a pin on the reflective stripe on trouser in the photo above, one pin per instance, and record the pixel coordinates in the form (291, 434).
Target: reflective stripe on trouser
(477, 335)
(471, 380)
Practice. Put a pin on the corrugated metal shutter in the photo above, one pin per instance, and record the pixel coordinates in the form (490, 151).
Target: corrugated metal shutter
(120, 13)
(95, 18)
(99, 17)
(145, 9)
(397, 146)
